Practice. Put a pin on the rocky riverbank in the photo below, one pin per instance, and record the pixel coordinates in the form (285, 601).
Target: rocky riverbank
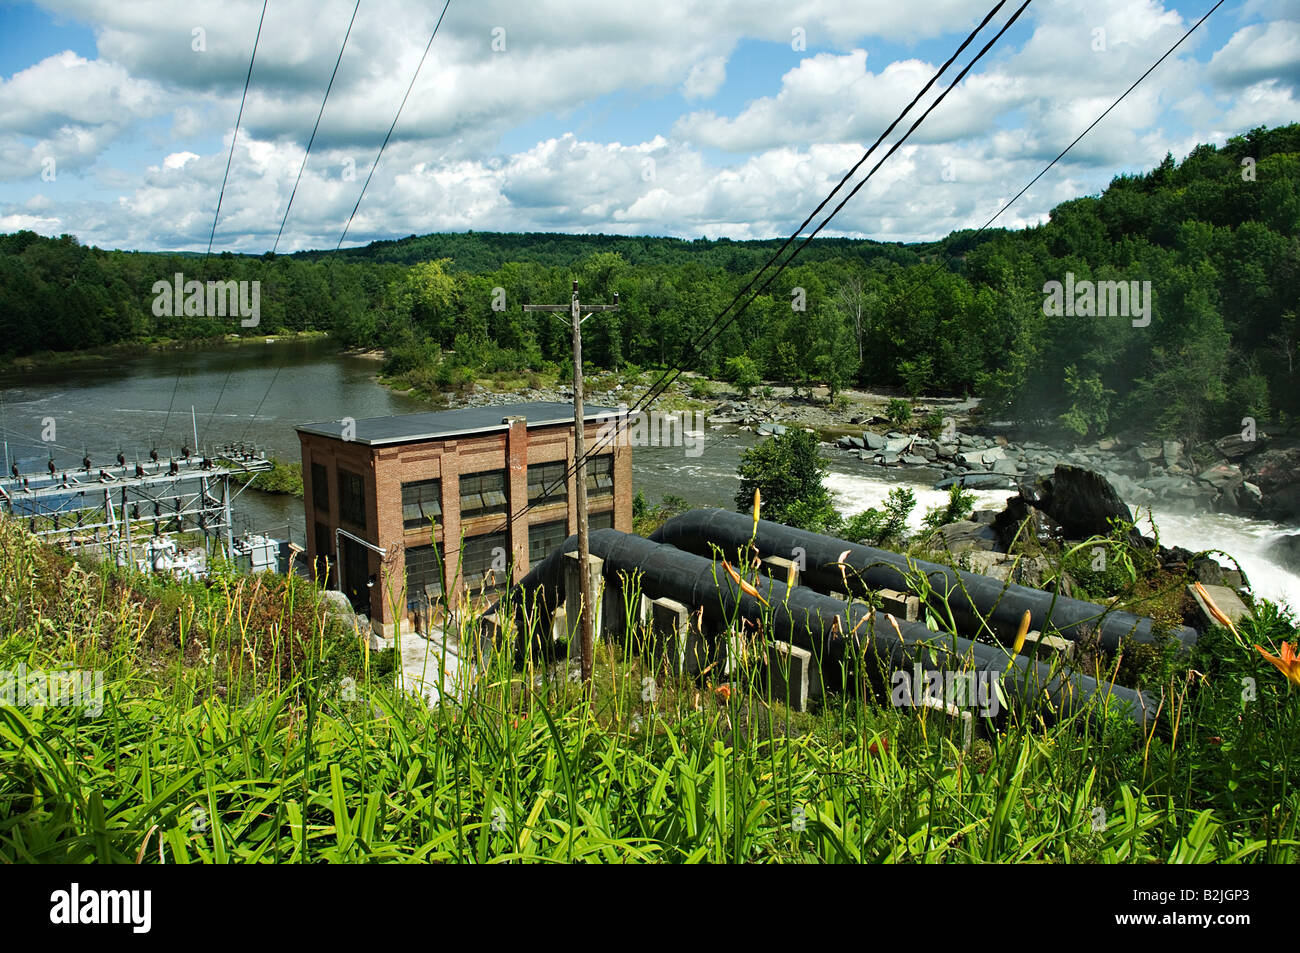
(1059, 513)
(1258, 477)
(1255, 478)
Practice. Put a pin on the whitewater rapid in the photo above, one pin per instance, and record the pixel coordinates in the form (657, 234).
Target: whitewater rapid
(1244, 539)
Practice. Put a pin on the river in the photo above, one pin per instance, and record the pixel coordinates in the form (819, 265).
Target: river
(255, 392)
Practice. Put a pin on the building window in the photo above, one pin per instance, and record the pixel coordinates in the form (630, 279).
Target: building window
(548, 483)
(482, 493)
(600, 476)
(352, 498)
(421, 501)
(602, 520)
(320, 488)
(544, 539)
(324, 552)
(423, 577)
(484, 555)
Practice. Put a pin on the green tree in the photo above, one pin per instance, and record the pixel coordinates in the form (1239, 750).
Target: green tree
(1089, 399)
(741, 371)
(788, 471)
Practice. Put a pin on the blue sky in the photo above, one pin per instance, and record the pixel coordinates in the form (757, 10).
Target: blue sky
(681, 118)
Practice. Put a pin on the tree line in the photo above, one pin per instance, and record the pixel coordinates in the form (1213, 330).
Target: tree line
(1216, 236)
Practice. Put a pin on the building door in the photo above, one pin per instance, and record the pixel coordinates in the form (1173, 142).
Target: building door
(355, 571)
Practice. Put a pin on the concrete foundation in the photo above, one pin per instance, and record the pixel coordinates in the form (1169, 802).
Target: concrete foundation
(573, 597)
(904, 607)
(792, 675)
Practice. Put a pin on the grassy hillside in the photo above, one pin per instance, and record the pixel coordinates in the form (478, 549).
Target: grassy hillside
(241, 723)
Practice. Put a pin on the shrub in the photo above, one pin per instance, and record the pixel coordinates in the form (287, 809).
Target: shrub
(742, 372)
(899, 411)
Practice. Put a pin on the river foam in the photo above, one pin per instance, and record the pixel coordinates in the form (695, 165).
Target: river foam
(1244, 539)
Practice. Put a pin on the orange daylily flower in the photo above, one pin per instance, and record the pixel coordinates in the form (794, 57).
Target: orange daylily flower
(1218, 614)
(1288, 663)
(745, 586)
(724, 692)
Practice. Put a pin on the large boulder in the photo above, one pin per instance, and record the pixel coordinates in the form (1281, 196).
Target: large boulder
(337, 604)
(1235, 448)
(1020, 521)
(1029, 571)
(1082, 502)
(1007, 466)
(1285, 550)
(965, 535)
(1276, 473)
(1222, 476)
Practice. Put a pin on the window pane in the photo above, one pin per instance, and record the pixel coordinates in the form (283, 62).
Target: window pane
(423, 577)
(600, 475)
(601, 520)
(548, 482)
(483, 493)
(352, 498)
(477, 558)
(320, 487)
(420, 501)
(545, 538)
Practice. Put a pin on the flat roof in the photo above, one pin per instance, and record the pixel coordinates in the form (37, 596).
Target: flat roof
(442, 424)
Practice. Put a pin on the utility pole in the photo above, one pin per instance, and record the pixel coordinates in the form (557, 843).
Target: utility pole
(575, 310)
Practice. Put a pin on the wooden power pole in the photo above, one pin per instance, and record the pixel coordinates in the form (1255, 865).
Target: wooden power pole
(575, 309)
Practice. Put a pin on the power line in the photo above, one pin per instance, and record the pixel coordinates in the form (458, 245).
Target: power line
(699, 346)
(848, 175)
(695, 347)
(170, 404)
(650, 395)
(397, 116)
(329, 87)
(310, 141)
(247, 80)
(949, 257)
(262, 401)
(321, 112)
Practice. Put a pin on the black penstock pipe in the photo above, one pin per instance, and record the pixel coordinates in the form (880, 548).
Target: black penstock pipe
(823, 625)
(974, 600)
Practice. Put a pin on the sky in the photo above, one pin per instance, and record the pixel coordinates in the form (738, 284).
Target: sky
(715, 119)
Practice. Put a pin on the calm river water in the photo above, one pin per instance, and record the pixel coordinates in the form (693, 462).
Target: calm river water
(255, 392)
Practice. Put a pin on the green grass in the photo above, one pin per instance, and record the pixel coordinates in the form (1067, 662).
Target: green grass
(242, 723)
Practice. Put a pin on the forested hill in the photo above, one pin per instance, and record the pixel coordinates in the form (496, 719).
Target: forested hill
(1208, 247)
(487, 251)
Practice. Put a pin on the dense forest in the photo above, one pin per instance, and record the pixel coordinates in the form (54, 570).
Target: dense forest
(1217, 236)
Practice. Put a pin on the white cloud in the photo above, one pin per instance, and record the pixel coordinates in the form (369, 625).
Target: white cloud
(705, 78)
(177, 160)
(151, 118)
(1259, 53)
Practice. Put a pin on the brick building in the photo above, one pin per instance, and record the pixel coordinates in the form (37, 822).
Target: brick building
(451, 480)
